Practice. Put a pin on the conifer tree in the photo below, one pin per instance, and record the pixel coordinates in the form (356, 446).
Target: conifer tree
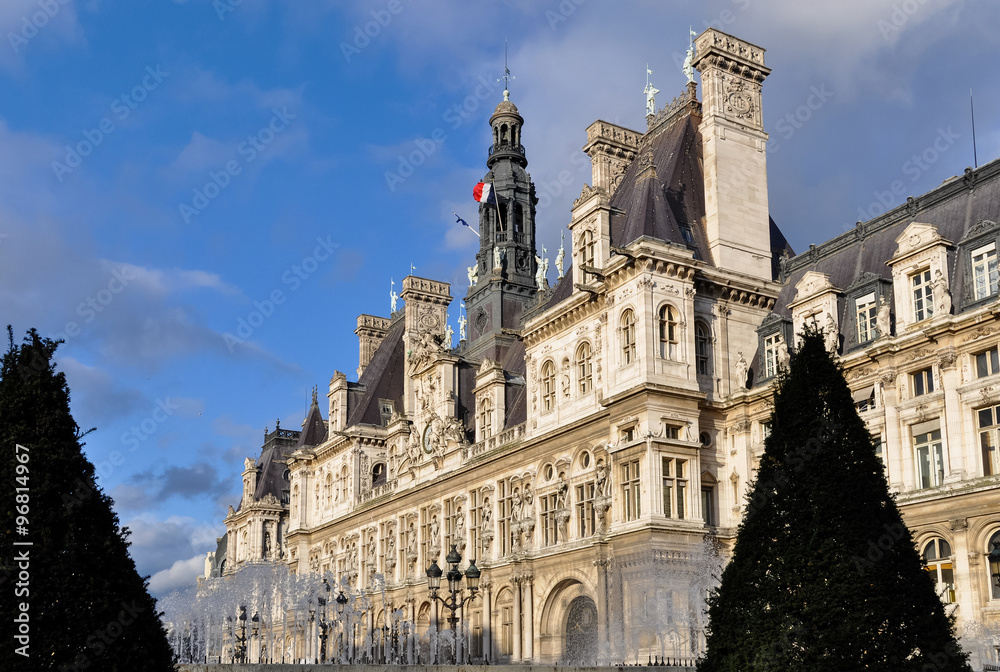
(73, 599)
(824, 573)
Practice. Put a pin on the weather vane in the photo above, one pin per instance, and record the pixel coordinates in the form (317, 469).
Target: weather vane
(506, 74)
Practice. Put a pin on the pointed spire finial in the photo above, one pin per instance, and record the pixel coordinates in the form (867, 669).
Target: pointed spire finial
(506, 74)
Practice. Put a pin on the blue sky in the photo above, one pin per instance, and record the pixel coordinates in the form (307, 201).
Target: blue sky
(175, 172)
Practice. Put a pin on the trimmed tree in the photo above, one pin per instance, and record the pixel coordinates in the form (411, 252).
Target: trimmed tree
(72, 599)
(824, 573)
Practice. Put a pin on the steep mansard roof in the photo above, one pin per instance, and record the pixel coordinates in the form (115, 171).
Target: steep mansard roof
(670, 205)
(381, 379)
(954, 208)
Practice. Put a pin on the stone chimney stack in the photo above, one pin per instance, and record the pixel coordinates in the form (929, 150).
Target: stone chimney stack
(370, 332)
(734, 151)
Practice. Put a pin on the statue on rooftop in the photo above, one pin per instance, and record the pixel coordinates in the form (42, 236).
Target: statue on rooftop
(942, 297)
(882, 317)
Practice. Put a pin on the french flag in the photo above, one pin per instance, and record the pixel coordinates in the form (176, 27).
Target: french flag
(484, 193)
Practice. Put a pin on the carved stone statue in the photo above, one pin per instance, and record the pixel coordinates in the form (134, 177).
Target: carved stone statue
(461, 327)
(688, 66)
(515, 506)
(882, 317)
(565, 384)
(942, 297)
(831, 334)
(496, 257)
(435, 532)
(411, 542)
(393, 297)
(460, 529)
(742, 368)
(448, 333)
(603, 486)
(372, 562)
(562, 494)
(539, 271)
(560, 257)
(487, 518)
(390, 551)
(473, 274)
(783, 356)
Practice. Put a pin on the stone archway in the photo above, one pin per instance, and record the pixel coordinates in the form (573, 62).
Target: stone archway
(580, 644)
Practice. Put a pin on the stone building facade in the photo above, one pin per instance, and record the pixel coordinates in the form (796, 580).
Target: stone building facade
(591, 444)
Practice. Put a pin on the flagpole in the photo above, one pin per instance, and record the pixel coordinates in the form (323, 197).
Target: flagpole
(465, 224)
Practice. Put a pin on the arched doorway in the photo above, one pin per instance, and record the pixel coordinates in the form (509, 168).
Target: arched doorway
(580, 646)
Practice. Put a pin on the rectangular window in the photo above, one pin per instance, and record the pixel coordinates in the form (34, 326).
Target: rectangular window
(674, 487)
(923, 297)
(984, 271)
(477, 635)
(630, 490)
(771, 355)
(864, 399)
(989, 429)
(504, 530)
(672, 432)
(475, 520)
(708, 506)
(929, 458)
(449, 524)
(585, 509)
(865, 311)
(923, 382)
(550, 529)
(627, 434)
(425, 536)
(506, 630)
(987, 363)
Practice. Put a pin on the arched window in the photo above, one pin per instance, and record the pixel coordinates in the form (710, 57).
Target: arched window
(703, 349)
(295, 503)
(668, 332)
(548, 386)
(378, 474)
(937, 557)
(485, 418)
(584, 368)
(343, 483)
(328, 491)
(627, 335)
(993, 546)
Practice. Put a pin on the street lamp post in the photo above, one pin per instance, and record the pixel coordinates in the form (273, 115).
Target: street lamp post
(456, 601)
(255, 634)
(241, 641)
(341, 603)
(323, 625)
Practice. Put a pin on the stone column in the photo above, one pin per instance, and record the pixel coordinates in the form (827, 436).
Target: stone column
(434, 633)
(488, 620)
(893, 436)
(604, 644)
(411, 608)
(529, 619)
(516, 585)
(951, 430)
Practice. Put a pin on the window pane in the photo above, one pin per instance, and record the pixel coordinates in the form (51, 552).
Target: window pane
(945, 548)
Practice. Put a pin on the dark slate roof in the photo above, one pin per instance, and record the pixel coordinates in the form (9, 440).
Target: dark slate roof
(670, 205)
(220, 555)
(314, 428)
(515, 404)
(953, 208)
(562, 290)
(381, 379)
(271, 473)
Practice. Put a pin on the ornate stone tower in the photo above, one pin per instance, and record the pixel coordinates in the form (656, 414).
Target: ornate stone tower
(505, 284)
(732, 130)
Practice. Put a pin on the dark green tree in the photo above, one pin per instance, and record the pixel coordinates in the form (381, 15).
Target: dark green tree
(73, 599)
(824, 573)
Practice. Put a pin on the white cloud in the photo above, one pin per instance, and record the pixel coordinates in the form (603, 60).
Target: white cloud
(182, 574)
